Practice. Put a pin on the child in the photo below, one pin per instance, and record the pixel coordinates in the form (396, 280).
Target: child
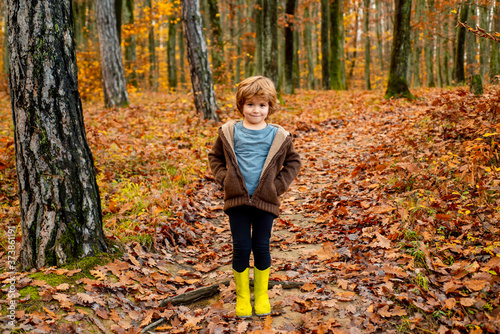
(255, 162)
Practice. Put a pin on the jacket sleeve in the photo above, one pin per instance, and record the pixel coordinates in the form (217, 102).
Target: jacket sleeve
(217, 161)
(290, 170)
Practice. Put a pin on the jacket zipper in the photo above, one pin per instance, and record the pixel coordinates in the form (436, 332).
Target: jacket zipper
(234, 162)
(233, 157)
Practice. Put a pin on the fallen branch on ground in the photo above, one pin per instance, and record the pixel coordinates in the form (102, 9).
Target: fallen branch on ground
(207, 292)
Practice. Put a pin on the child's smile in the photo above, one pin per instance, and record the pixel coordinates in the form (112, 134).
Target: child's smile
(255, 113)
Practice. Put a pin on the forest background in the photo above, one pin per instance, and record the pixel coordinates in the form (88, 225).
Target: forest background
(145, 189)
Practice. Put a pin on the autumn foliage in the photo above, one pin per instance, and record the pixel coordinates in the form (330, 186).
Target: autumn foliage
(392, 224)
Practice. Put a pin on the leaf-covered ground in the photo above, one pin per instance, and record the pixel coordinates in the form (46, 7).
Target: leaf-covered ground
(392, 225)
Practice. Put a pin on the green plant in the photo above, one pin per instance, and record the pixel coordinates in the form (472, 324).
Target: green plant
(438, 314)
(422, 281)
(449, 260)
(411, 235)
(404, 326)
(418, 255)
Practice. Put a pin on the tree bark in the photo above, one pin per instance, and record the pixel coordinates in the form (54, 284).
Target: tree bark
(130, 44)
(355, 44)
(290, 7)
(378, 30)
(414, 73)
(201, 75)
(470, 42)
(366, 21)
(483, 43)
(270, 41)
(495, 47)
(59, 198)
(113, 73)
(459, 56)
(308, 48)
(182, 56)
(397, 85)
(79, 14)
(153, 60)
(336, 47)
(429, 47)
(171, 63)
(446, 57)
(217, 41)
(118, 15)
(258, 37)
(325, 50)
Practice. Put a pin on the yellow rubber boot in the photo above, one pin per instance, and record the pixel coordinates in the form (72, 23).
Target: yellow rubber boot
(242, 281)
(260, 285)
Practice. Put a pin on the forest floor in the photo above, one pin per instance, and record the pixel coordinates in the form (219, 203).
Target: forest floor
(391, 227)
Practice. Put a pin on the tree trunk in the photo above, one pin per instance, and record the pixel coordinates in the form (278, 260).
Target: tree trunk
(483, 45)
(239, 45)
(182, 56)
(397, 85)
(270, 41)
(290, 7)
(355, 44)
(439, 44)
(153, 60)
(201, 75)
(429, 47)
(414, 76)
(325, 51)
(378, 30)
(336, 47)
(171, 63)
(446, 57)
(79, 14)
(470, 42)
(130, 45)
(59, 198)
(113, 73)
(389, 23)
(495, 47)
(459, 61)
(217, 41)
(118, 15)
(258, 37)
(366, 23)
(297, 59)
(308, 48)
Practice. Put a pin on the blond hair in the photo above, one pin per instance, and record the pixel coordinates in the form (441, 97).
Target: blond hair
(257, 86)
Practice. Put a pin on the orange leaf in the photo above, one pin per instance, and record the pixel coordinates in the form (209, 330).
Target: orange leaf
(308, 287)
(467, 302)
(450, 303)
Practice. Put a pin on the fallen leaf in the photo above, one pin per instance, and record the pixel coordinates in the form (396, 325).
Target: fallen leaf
(467, 302)
(308, 287)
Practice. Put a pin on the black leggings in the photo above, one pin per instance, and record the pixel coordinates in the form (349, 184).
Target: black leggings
(251, 230)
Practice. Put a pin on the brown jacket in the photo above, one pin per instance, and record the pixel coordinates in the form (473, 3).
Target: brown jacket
(281, 167)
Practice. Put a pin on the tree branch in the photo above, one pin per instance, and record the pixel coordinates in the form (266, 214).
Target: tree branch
(207, 292)
(480, 32)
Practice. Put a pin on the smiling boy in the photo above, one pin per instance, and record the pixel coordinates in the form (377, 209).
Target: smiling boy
(255, 162)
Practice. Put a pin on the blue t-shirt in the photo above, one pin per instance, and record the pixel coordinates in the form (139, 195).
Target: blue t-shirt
(251, 148)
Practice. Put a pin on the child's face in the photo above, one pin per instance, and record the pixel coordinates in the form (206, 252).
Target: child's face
(255, 112)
